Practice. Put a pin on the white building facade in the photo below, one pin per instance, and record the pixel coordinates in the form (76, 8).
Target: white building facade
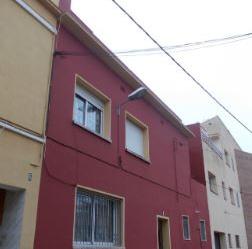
(223, 188)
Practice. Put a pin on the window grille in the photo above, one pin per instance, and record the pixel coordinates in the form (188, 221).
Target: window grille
(97, 220)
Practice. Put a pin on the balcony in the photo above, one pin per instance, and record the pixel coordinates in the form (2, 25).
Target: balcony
(208, 140)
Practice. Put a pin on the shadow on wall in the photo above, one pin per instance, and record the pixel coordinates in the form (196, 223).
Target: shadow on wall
(11, 214)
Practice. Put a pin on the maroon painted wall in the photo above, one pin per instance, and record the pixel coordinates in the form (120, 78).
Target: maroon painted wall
(75, 156)
(196, 154)
(65, 5)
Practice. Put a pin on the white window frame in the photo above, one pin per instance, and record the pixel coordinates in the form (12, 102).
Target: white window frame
(203, 231)
(88, 97)
(189, 230)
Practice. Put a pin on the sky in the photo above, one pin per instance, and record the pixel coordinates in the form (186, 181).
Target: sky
(224, 70)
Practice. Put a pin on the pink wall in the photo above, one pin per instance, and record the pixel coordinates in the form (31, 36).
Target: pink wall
(76, 157)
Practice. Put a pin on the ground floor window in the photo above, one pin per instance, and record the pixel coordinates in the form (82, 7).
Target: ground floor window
(237, 241)
(230, 244)
(98, 220)
(203, 230)
(186, 227)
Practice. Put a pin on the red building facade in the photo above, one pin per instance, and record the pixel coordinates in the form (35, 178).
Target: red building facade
(96, 191)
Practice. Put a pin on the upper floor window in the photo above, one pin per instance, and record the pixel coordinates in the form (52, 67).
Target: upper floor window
(186, 227)
(203, 230)
(137, 137)
(233, 165)
(91, 108)
(88, 113)
(98, 220)
(227, 158)
(212, 183)
(224, 191)
(238, 199)
(232, 198)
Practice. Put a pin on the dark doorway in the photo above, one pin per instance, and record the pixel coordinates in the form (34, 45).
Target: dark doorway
(217, 240)
(163, 233)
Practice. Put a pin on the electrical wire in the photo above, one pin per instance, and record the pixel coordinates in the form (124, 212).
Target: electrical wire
(189, 46)
(182, 67)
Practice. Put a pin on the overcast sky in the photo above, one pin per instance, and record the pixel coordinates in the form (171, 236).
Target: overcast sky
(225, 70)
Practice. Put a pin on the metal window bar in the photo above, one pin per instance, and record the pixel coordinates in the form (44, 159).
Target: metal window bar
(97, 220)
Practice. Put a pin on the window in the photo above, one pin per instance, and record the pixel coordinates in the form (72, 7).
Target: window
(97, 220)
(231, 192)
(212, 183)
(227, 158)
(237, 241)
(233, 165)
(224, 191)
(203, 230)
(230, 241)
(186, 227)
(137, 137)
(88, 114)
(238, 199)
(91, 108)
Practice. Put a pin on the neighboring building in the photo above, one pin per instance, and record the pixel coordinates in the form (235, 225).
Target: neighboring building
(113, 178)
(213, 148)
(27, 30)
(244, 167)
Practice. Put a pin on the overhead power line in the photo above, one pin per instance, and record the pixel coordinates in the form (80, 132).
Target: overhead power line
(190, 45)
(179, 65)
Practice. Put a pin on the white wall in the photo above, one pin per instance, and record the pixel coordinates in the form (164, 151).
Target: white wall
(224, 217)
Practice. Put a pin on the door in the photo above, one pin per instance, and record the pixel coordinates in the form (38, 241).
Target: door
(163, 233)
(217, 240)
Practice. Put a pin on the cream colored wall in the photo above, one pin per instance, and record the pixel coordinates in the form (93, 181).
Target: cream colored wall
(56, 2)
(25, 64)
(17, 155)
(224, 217)
(25, 67)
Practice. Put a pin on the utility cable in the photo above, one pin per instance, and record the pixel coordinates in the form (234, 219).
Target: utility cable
(190, 45)
(179, 65)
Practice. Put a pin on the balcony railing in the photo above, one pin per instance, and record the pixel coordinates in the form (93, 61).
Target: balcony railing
(205, 138)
